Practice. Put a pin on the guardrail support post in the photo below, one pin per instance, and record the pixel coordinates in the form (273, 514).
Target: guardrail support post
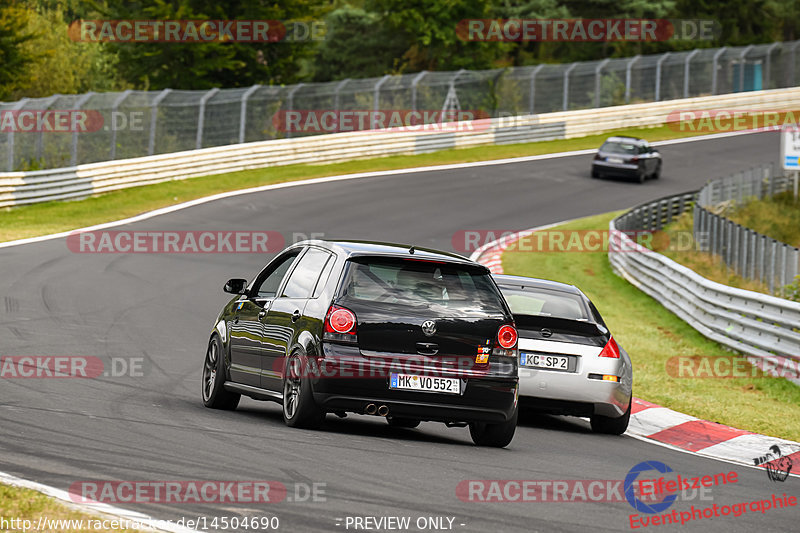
(658, 75)
(10, 143)
(151, 145)
(201, 116)
(597, 74)
(742, 59)
(565, 104)
(336, 91)
(714, 68)
(114, 107)
(768, 65)
(376, 99)
(290, 103)
(414, 84)
(686, 71)
(243, 111)
(74, 151)
(628, 68)
(532, 93)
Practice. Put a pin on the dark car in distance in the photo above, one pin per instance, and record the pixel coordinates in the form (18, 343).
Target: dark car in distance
(627, 157)
(371, 328)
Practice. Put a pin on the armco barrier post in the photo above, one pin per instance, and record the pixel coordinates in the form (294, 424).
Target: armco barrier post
(565, 102)
(658, 75)
(201, 116)
(714, 68)
(686, 71)
(151, 144)
(532, 94)
(112, 153)
(597, 78)
(243, 111)
(74, 151)
(10, 143)
(628, 68)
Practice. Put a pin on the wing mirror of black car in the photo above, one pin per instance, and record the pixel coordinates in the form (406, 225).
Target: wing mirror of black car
(235, 286)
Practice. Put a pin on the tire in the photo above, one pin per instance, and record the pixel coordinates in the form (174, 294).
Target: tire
(641, 175)
(402, 422)
(612, 426)
(494, 435)
(214, 394)
(657, 172)
(299, 408)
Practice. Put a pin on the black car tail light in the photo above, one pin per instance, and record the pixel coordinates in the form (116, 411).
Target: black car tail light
(507, 336)
(598, 157)
(340, 324)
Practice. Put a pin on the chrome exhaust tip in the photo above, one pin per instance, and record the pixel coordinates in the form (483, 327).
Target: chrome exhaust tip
(371, 409)
(383, 410)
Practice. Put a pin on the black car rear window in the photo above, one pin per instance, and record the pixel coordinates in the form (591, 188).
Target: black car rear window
(615, 147)
(421, 283)
(544, 302)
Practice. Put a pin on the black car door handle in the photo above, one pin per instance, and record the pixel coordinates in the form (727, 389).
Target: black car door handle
(296, 315)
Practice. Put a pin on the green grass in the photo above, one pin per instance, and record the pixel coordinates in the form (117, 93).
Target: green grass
(710, 266)
(52, 217)
(777, 217)
(25, 504)
(652, 335)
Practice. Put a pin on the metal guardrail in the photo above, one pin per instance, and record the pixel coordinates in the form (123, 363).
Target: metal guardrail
(748, 253)
(764, 327)
(142, 123)
(18, 188)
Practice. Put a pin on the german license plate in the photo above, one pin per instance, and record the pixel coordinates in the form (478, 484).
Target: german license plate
(549, 362)
(425, 383)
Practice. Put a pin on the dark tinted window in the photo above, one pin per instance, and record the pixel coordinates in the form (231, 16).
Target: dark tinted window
(304, 277)
(616, 147)
(270, 281)
(543, 302)
(421, 284)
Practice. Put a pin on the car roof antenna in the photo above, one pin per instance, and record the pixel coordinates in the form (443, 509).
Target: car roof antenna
(411, 250)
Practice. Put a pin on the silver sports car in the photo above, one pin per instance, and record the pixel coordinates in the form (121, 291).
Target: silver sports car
(569, 362)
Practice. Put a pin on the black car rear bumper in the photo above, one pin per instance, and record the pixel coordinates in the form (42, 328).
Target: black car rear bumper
(484, 397)
(615, 169)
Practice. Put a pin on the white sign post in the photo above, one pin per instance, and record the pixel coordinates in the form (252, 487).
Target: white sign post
(790, 152)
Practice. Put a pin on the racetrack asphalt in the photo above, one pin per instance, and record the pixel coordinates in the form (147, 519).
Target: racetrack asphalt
(160, 308)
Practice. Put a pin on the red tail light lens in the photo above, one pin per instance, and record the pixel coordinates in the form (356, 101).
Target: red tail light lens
(611, 349)
(597, 157)
(340, 320)
(634, 159)
(507, 336)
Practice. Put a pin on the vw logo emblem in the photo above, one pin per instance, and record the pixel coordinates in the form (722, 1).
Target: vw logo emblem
(546, 332)
(429, 328)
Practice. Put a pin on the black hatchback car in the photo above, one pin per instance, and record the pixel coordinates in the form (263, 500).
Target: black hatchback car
(371, 328)
(627, 157)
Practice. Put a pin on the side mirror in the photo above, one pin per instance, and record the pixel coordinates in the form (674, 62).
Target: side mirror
(235, 286)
